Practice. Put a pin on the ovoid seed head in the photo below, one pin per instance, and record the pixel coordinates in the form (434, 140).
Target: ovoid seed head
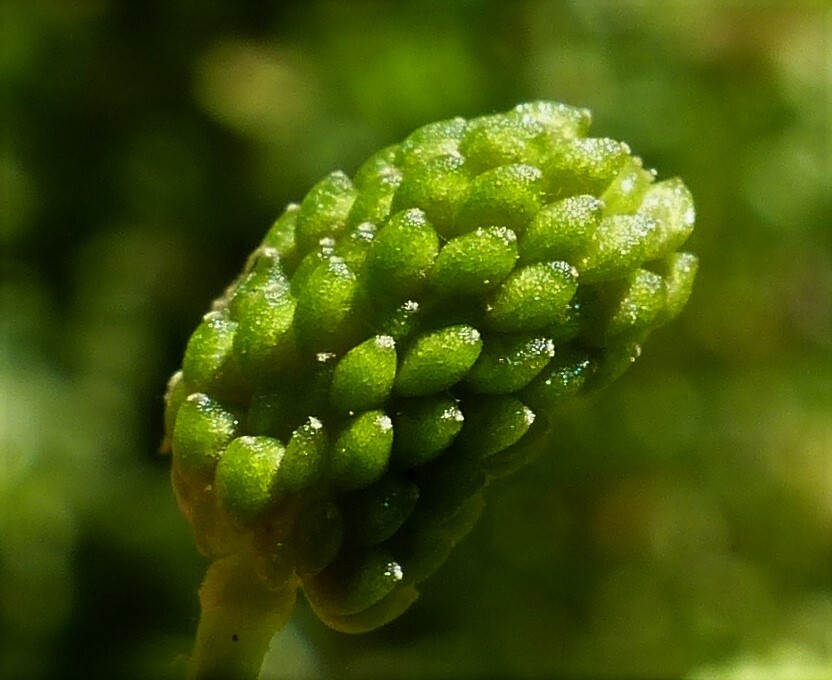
(399, 338)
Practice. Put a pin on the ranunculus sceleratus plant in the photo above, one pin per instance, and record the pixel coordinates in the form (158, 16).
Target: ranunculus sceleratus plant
(397, 340)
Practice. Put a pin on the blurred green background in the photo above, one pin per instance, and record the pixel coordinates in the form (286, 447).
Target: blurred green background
(680, 524)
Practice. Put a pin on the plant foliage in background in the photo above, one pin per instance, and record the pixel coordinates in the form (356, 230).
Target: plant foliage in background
(679, 523)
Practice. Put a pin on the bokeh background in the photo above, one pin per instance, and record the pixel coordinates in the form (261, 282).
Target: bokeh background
(679, 524)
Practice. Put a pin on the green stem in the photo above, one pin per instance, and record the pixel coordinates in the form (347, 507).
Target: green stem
(239, 618)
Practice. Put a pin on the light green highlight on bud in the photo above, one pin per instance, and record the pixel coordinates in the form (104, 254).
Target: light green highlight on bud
(532, 297)
(364, 377)
(437, 360)
(475, 262)
(360, 454)
(246, 476)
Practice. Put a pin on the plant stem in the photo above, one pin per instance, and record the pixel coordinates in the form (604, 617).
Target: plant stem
(239, 618)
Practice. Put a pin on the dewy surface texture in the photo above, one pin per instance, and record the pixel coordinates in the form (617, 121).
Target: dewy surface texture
(399, 338)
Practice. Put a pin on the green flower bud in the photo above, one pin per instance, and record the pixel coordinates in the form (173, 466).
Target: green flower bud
(626, 191)
(353, 248)
(679, 271)
(426, 544)
(430, 141)
(376, 513)
(619, 244)
(560, 121)
(360, 454)
(403, 321)
(509, 362)
(263, 274)
(322, 252)
(303, 460)
(436, 187)
(281, 236)
(209, 363)
(562, 230)
(390, 607)
(376, 182)
(317, 537)
(265, 341)
(503, 140)
(565, 376)
(402, 254)
(632, 306)
(424, 428)
(585, 165)
(493, 424)
(532, 298)
(354, 584)
(268, 414)
(327, 316)
(203, 429)
(509, 195)
(364, 377)
(670, 204)
(446, 486)
(438, 359)
(247, 474)
(400, 339)
(475, 262)
(323, 213)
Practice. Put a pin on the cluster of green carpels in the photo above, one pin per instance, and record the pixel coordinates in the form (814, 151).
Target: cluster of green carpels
(399, 338)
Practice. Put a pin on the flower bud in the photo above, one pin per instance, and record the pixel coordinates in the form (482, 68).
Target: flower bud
(401, 338)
